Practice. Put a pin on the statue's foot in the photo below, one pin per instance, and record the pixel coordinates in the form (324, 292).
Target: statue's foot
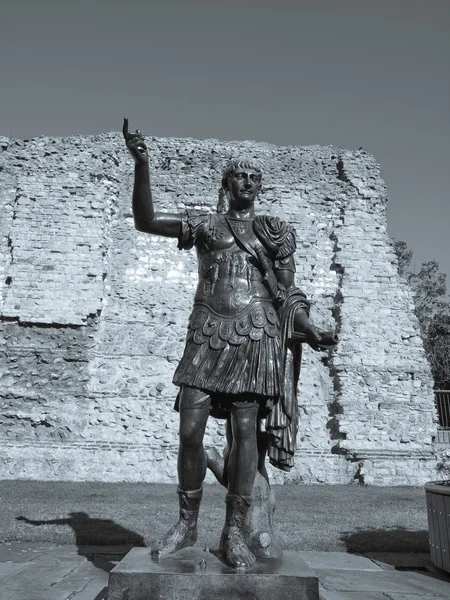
(181, 535)
(235, 549)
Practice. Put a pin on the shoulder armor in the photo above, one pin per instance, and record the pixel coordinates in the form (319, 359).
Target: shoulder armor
(276, 235)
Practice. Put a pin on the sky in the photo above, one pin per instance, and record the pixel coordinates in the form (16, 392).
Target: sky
(349, 73)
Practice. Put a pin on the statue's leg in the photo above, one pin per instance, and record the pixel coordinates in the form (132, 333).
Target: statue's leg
(191, 454)
(243, 459)
(242, 466)
(217, 463)
(226, 454)
(194, 411)
(262, 440)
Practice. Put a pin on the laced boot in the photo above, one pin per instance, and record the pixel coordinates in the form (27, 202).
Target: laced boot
(184, 532)
(232, 542)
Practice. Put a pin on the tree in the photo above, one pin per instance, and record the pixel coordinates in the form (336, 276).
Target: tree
(404, 257)
(429, 286)
(437, 348)
(432, 308)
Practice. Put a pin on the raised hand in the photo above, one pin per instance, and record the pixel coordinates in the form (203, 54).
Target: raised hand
(135, 144)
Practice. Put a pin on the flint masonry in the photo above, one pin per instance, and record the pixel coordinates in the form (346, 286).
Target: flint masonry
(94, 313)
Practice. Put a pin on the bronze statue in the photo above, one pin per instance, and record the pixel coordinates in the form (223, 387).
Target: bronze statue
(242, 356)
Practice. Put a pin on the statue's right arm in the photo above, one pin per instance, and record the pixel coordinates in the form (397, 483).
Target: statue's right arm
(145, 217)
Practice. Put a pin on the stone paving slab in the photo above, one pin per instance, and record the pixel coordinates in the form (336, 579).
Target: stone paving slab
(81, 577)
(23, 552)
(381, 581)
(67, 554)
(8, 569)
(338, 560)
(51, 572)
(38, 571)
(333, 595)
(430, 596)
(32, 594)
(95, 590)
(88, 588)
(39, 576)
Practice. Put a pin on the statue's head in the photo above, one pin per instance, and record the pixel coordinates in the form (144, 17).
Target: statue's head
(241, 182)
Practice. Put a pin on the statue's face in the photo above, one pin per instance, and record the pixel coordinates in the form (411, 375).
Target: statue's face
(243, 186)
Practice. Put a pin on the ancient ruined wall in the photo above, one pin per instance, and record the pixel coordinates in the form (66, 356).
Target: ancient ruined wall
(94, 313)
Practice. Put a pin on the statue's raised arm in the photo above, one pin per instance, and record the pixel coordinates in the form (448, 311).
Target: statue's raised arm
(145, 217)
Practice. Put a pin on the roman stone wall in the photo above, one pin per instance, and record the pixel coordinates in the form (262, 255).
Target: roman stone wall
(94, 313)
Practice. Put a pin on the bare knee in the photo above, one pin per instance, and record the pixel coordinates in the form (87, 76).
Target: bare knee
(244, 422)
(192, 428)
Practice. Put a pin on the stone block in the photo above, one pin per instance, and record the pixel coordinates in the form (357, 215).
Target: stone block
(195, 574)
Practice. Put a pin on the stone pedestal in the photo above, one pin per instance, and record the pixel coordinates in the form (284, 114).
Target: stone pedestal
(196, 574)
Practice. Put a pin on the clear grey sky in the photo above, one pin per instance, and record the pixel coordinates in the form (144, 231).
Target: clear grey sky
(345, 72)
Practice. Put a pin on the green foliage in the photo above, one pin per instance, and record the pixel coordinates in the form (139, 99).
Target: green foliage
(429, 287)
(437, 347)
(443, 464)
(404, 257)
(432, 308)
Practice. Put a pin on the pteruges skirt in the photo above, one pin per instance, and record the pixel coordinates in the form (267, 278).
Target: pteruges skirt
(233, 355)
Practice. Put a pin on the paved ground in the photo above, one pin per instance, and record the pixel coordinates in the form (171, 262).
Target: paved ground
(46, 571)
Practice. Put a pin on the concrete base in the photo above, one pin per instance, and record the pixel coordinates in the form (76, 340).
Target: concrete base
(195, 574)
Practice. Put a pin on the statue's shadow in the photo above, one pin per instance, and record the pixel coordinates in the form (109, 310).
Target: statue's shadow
(93, 533)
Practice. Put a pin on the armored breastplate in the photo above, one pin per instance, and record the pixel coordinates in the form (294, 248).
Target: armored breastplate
(229, 277)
